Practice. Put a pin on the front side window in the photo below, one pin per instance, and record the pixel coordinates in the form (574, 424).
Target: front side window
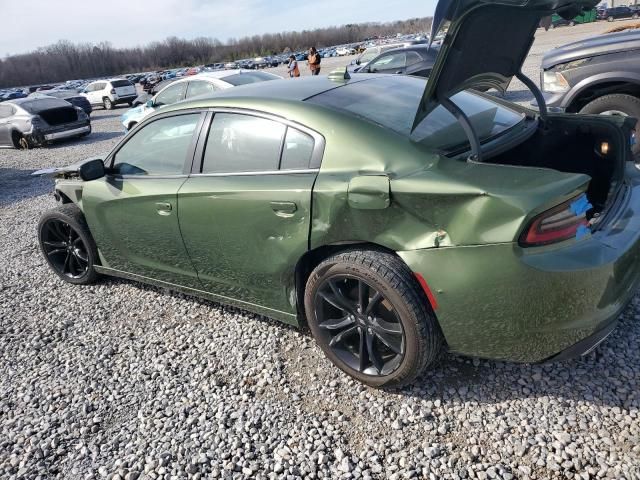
(242, 143)
(170, 95)
(159, 148)
(199, 87)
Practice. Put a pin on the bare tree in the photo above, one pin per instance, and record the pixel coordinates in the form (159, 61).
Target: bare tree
(65, 60)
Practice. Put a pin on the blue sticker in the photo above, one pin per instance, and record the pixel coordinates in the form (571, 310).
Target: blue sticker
(580, 206)
(582, 231)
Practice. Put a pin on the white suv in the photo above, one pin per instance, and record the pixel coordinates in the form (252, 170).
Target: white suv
(109, 93)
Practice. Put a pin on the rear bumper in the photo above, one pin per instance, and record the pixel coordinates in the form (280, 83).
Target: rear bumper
(124, 99)
(38, 137)
(504, 302)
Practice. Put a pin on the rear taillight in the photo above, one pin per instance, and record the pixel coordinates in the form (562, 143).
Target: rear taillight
(113, 91)
(565, 221)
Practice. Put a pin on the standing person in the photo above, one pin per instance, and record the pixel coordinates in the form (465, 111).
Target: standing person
(294, 71)
(314, 61)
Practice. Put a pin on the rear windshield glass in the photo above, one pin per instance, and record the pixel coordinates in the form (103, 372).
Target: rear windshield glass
(392, 102)
(41, 104)
(121, 83)
(248, 77)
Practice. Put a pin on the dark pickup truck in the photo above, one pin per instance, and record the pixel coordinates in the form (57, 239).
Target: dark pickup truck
(599, 75)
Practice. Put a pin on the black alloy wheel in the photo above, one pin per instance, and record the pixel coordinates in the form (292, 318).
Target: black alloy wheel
(67, 244)
(360, 324)
(371, 318)
(65, 249)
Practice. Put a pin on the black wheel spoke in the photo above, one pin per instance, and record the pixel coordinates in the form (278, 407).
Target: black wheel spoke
(373, 303)
(342, 335)
(337, 323)
(373, 353)
(65, 265)
(362, 350)
(387, 327)
(363, 296)
(337, 299)
(55, 244)
(394, 344)
(56, 251)
(81, 256)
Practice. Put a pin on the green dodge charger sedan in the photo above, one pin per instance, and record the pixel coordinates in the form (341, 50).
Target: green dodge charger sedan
(392, 215)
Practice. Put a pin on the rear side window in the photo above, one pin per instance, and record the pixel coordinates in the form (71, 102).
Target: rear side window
(6, 111)
(297, 150)
(242, 143)
(413, 58)
(199, 87)
(121, 83)
(99, 86)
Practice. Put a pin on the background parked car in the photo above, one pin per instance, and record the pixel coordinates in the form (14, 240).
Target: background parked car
(110, 93)
(415, 60)
(193, 86)
(30, 122)
(611, 14)
(600, 75)
(71, 96)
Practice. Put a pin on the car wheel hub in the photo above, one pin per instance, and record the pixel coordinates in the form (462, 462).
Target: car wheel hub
(360, 326)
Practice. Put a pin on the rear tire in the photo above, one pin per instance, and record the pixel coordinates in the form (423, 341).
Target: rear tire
(370, 317)
(67, 245)
(107, 103)
(627, 105)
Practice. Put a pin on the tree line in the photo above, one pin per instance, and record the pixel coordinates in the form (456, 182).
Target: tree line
(66, 60)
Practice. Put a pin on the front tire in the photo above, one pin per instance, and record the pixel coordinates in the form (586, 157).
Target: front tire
(107, 103)
(370, 317)
(617, 104)
(67, 245)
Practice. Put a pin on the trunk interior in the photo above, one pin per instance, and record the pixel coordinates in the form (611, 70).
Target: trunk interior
(575, 145)
(59, 116)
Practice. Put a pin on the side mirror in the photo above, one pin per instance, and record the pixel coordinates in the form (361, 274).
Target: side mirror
(358, 62)
(149, 103)
(92, 170)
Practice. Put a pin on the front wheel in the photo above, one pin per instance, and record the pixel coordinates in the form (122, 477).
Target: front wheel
(67, 245)
(617, 104)
(107, 103)
(370, 317)
(610, 19)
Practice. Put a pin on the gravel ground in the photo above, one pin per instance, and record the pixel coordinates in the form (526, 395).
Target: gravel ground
(124, 381)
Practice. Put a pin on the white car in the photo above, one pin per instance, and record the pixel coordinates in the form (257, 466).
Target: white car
(342, 51)
(194, 86)
(110, 93)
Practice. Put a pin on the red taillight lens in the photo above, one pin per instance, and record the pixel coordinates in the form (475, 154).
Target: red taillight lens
(113, 91)
(567, 220)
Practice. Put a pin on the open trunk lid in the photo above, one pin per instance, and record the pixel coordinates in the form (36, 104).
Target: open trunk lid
(486, 43)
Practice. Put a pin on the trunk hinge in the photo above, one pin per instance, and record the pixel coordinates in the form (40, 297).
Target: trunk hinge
(474, 141)
(531, 85)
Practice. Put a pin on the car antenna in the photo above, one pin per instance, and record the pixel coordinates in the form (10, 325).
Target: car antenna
(340, 75)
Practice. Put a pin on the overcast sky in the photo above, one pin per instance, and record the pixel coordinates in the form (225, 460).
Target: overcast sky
(29, 24)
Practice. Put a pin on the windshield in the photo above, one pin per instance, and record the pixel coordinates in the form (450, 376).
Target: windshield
(392, 101)
(249, 77)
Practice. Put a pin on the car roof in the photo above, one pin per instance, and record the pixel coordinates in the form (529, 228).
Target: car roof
(287, 89)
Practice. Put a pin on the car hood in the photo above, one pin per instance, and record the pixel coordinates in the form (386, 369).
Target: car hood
(486, 43)
(68, 171)
(592, 47)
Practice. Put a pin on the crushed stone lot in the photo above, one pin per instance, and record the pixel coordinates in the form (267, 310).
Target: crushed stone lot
(124, 381)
